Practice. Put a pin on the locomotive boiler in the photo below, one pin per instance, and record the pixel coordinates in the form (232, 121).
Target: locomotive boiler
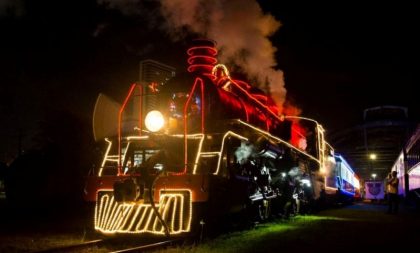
(211, 149)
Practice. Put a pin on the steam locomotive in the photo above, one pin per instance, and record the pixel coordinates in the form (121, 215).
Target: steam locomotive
(209, 149)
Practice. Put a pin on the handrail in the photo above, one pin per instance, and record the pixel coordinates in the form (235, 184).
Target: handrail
(130, 92)
(187, 103)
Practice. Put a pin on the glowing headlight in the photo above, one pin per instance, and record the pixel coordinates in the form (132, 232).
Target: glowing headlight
(154, 121)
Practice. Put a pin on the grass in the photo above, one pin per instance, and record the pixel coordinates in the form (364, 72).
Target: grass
(347, 229)
(36, 242)
(259, 239)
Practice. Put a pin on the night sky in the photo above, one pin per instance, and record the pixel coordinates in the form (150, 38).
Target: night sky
(340, 59)
(56, 56)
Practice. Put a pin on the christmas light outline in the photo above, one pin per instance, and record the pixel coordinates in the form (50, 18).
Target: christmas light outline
(279, 140)
(130, 92)
(121, 218)
(216, 153)
(105, 156)
(219, 161)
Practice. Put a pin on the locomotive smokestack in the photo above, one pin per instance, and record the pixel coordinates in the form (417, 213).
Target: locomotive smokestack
(202, 57)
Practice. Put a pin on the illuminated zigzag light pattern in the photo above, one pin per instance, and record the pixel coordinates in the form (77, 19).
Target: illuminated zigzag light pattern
(175, 207)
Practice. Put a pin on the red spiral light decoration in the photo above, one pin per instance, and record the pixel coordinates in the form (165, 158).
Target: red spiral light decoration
(202, 57)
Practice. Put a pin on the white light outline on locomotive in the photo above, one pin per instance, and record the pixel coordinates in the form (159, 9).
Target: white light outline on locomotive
(222, 66)
(200, 146)
(321, 147)
(210, 154)
(197, 156)
(216, 153)
(319, 126)
(113, 215)
(127, 215)
(320, 162)
(144, 213)
(323, 172)
(279, 140)
(111, 222)
(143, 137)
(106, 156)
(320, 130)
(219, 161)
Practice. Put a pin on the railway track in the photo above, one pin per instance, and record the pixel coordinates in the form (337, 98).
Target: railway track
(73, 247)
(147, 247)
(103, 244)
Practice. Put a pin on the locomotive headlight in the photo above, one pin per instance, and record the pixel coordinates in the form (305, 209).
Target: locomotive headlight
(154, 121)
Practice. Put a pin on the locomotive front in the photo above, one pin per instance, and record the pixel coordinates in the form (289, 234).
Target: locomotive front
(210, 147)
(158, 182)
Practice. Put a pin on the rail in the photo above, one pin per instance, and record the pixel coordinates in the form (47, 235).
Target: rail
(72, 247)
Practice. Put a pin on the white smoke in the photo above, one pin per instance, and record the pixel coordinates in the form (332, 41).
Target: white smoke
(239, 27)
(241, 30)
(244, 152)
(294, 172)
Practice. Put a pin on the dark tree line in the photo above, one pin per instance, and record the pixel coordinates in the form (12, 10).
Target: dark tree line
(53, 171)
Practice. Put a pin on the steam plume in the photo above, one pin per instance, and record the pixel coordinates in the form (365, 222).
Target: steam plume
(240, 28)
(244, 152)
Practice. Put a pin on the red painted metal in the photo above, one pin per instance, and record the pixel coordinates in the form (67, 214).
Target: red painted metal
(130, 93)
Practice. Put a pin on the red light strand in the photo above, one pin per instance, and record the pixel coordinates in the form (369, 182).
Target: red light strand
(202, 59)
(130, 93)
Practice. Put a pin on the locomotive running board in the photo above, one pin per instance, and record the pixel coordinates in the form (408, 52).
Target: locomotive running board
(175, 208)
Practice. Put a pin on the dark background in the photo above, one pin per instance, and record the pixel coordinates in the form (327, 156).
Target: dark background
(56, 56)
(342, 58)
